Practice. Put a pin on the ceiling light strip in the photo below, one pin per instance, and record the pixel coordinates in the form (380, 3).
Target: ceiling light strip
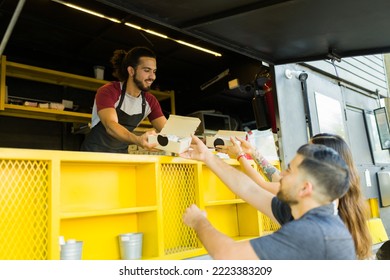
(86, 11)
(197, 47)
(155, 33)
(135, 27)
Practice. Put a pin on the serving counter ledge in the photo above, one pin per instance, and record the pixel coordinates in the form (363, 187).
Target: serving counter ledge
(94, 197)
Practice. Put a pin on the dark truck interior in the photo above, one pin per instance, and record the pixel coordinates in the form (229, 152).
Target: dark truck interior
(249, 35)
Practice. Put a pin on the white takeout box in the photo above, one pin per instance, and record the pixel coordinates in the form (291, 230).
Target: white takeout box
(223, 138)
(175, 136)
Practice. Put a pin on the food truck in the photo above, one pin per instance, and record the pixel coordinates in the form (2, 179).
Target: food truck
(291, 68)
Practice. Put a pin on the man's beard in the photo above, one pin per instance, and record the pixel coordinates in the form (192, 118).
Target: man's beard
(139, 84)
(285, 197)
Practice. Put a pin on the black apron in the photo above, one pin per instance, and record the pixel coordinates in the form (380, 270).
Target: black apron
(98, 140)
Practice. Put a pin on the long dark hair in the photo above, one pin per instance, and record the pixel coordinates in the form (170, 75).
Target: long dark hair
(353, 208)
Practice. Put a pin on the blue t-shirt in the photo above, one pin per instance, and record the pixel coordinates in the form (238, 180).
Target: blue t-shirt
(317, 235)
(281, 211)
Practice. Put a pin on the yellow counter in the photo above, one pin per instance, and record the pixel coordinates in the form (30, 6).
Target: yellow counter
(94, 197)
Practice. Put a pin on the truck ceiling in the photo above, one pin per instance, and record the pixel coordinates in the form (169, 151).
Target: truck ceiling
(275, 31)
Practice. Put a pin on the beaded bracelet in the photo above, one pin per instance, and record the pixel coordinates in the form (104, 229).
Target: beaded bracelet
(240, 156)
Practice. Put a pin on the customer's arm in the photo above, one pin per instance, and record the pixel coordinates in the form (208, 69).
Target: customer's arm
(268, 169)
(272, 187)
(218, 245)
(234, 179)
(235, 150)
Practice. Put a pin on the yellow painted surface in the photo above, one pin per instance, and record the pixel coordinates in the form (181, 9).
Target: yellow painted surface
(214, 189)
(94, 197)
(24, 201)
(377, 230)
(374, 207)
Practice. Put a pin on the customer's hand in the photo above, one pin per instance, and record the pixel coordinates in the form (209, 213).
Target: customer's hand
(238, 146)
(246, 146)
(193, 215)
(197, 151)
(232, 150)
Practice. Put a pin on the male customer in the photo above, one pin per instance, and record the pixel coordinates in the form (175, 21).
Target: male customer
(120, 106)
(315, 177)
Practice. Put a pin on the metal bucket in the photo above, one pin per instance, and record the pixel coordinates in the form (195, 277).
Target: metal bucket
(71, 250)
(130, 246)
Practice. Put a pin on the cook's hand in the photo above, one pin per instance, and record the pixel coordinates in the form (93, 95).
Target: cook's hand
(143, 141)
(198, 150)
(193, 215)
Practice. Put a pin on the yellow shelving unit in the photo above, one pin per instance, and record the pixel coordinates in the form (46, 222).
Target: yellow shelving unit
(33, 73)
(94, 197)
(230, 214)
(100, 200)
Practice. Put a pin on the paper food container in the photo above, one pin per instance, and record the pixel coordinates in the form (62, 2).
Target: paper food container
(223, 138)
(175, 136)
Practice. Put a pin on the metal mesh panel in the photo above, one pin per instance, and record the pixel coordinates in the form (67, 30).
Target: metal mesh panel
(268, 226)
(24, 196)
(178, 191)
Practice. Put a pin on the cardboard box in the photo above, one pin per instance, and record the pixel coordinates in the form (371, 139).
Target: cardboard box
(223, 138)
(68, 104)
(56, 106)
(175, 136)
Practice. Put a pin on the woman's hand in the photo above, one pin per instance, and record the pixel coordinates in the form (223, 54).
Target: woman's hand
(238, 146)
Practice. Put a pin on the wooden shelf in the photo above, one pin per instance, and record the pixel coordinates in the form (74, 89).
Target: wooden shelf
(224, 202)
(20, 111)
(32, 73)
(38, 74)
(108, 212)
(44, 114)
